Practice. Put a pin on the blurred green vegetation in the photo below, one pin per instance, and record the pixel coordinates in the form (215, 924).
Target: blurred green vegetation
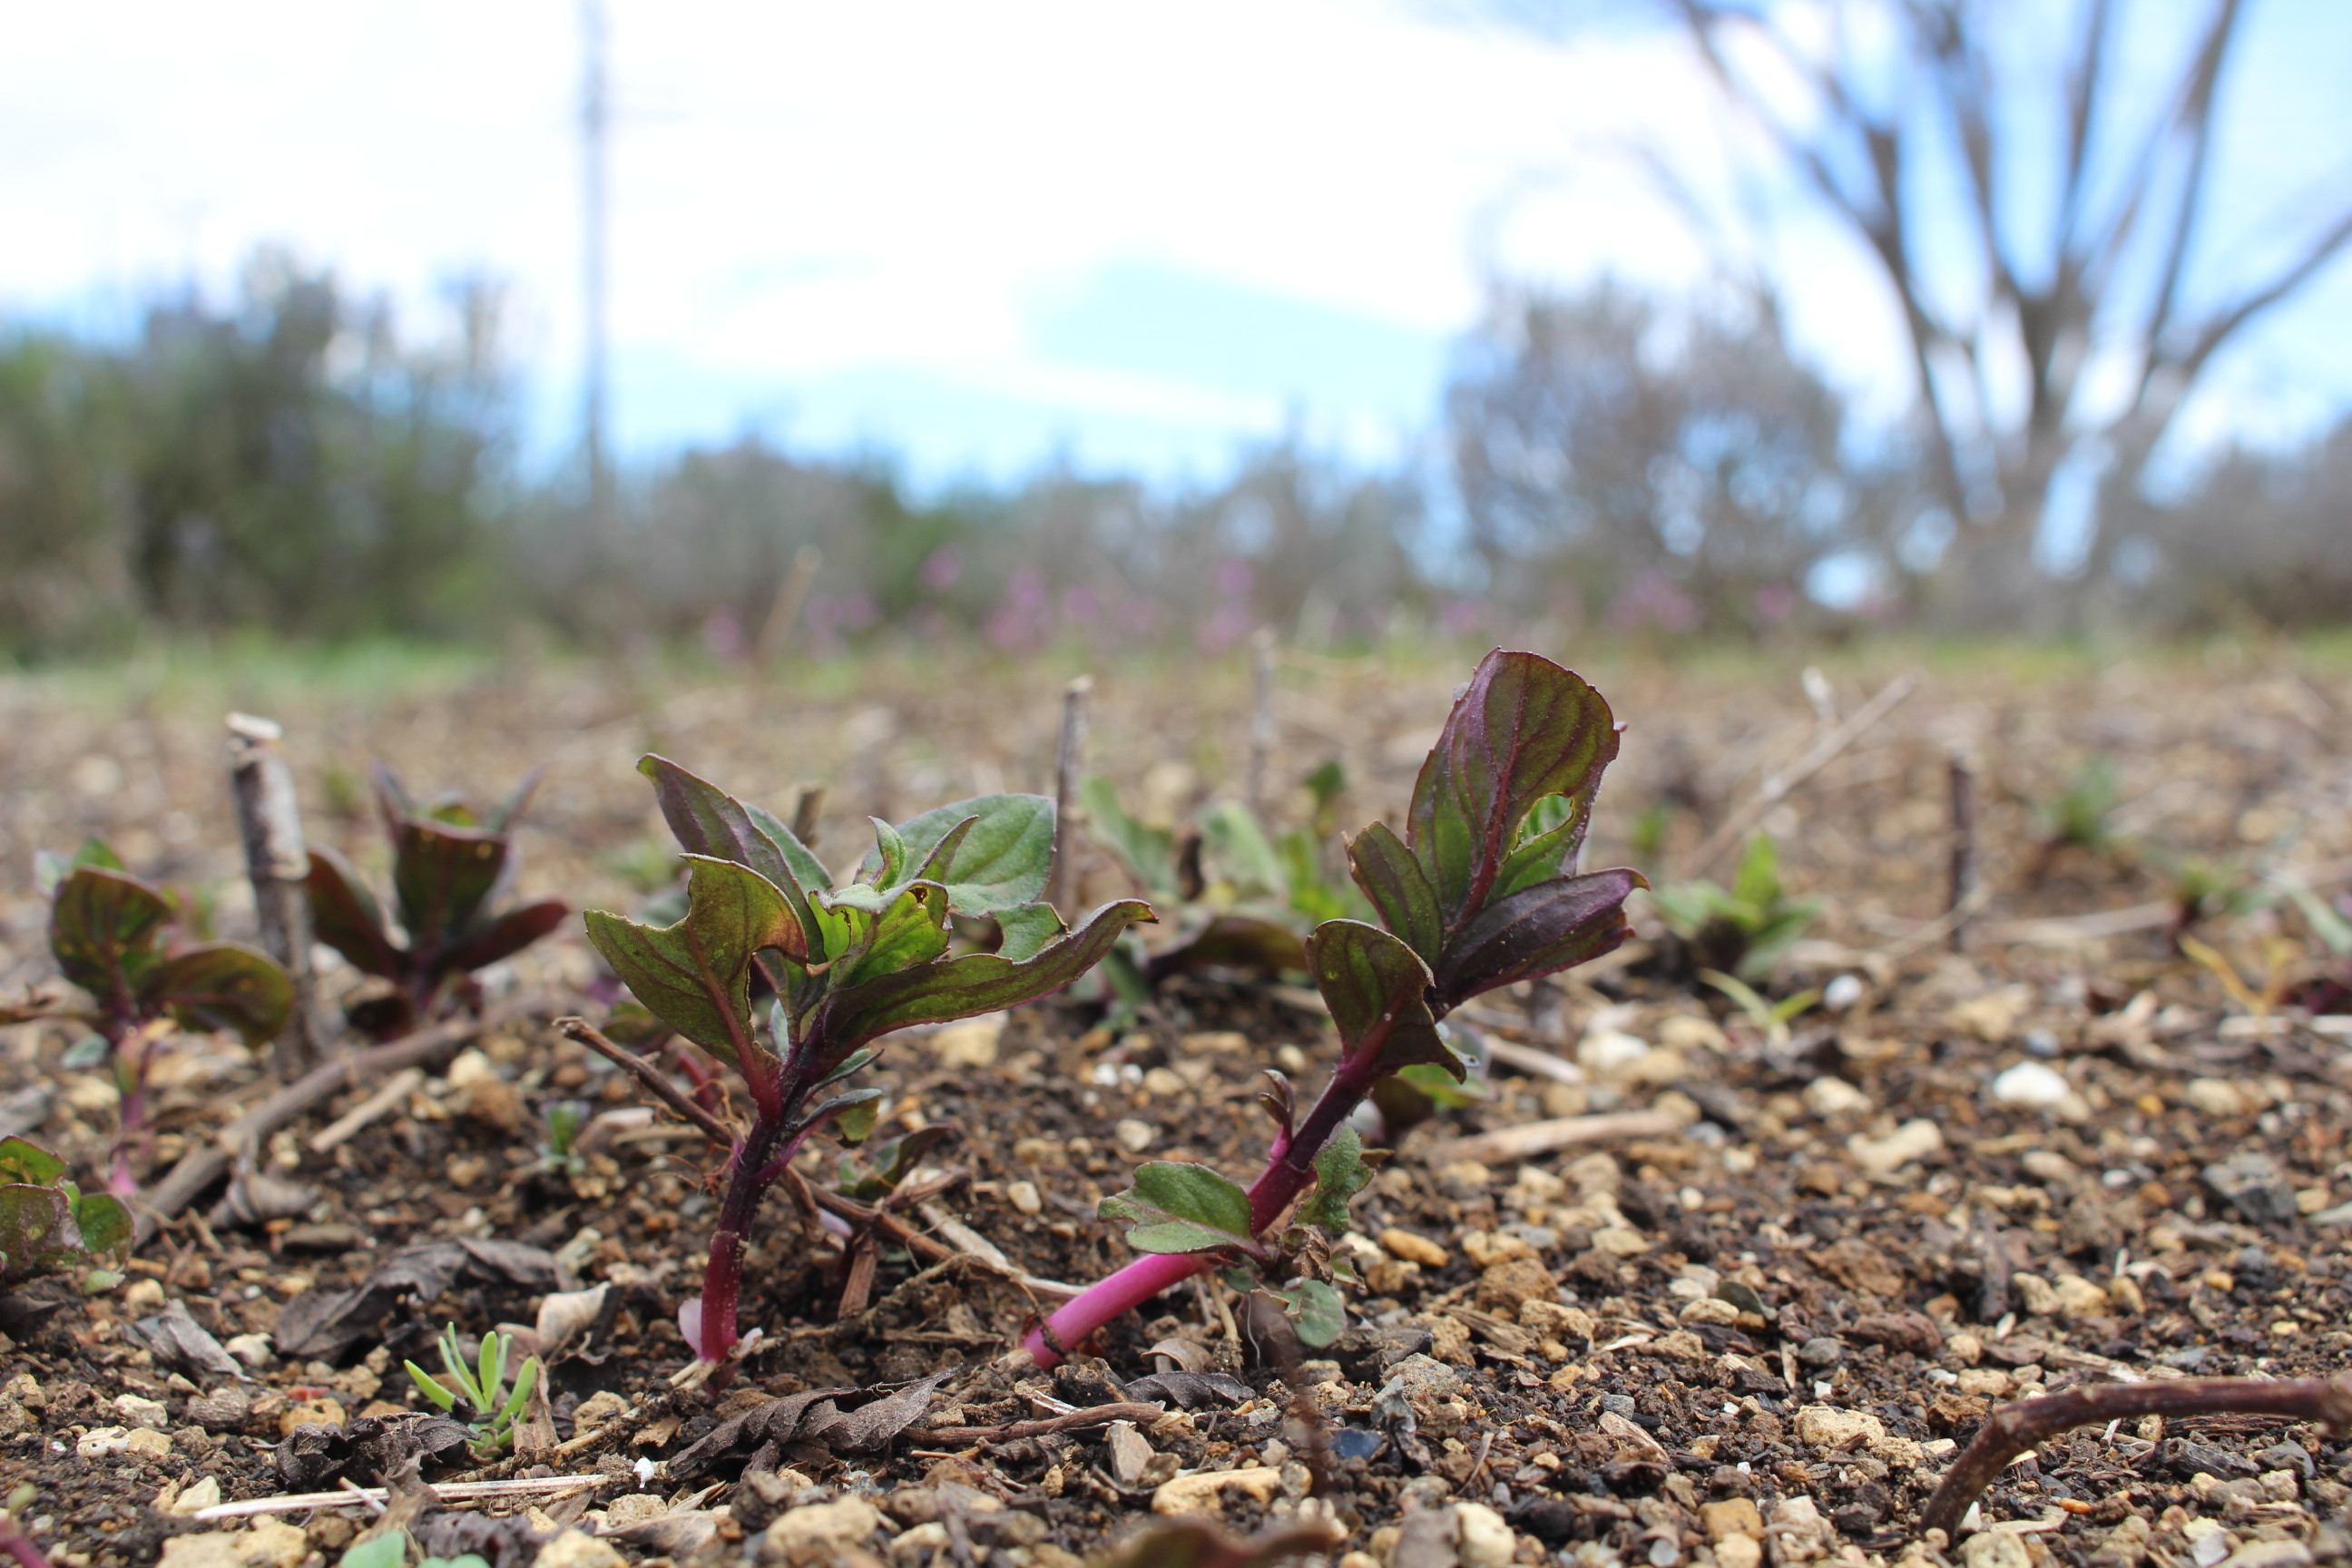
(293, 465)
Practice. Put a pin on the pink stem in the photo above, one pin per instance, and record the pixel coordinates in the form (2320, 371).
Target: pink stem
(1289, 1171)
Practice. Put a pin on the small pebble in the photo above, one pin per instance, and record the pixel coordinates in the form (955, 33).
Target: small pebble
(1821, 1351)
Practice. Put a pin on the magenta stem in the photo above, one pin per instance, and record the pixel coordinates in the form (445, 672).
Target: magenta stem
(1290, 1169)
(15, 1544)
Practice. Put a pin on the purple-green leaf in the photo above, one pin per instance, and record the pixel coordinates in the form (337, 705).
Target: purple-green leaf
(106, 930)
(977, 983)
(222, 986)
(696, 976)
(1234, 942)
(36, 1232)
(441, 875)
(344, 915)
(1523, 729)
(1399, 889)
(21, 1160)
(503, 937)
(707, 820)
(1378, 991)
(1538, 931)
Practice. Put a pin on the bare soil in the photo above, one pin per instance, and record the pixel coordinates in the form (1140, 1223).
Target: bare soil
(1872, 1230)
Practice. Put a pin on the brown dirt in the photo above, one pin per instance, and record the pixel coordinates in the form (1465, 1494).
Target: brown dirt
(2035, 1246)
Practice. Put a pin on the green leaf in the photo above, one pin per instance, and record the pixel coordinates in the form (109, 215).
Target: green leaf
(1538, 931)
(1182, 1208)
(1440, 1088)
(696, 976)
(1759, 881)
(1399, 889)
(387, 1550)
(344, 915)
(1378, 991)
(853, 1114)
(106, 931)
(1148, 853)
(1318, 1313)
(911, 931)
(1340, 1175)
(1523, 729)
(24, 1161)
(855, 1060)
(222, 986)
(1327, 784)
(1241, 854)
(1002, 860)
(806, 868)
(431, 1387)
(887, 866)
(976, 983)
(441, 875)
(1545, 853)
(1027, 928)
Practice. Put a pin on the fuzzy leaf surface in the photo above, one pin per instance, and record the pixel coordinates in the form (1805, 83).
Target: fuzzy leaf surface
(1378, 991)
(1002, 860)
(1340, 1175)
(1027, 928)
(1523, 729)
(1181, 1208)
(707, 820)
(696, 976)
(977, 983)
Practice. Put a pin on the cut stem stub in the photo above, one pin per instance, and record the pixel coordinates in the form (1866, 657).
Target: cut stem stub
(2014, 1429)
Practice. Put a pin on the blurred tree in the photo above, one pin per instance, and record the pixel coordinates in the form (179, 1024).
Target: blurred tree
(1675, 473)
(65, 582)
(2045, 231)
(293, 464)
(2037, 185)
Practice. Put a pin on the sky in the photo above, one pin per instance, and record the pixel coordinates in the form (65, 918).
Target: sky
(983, 238)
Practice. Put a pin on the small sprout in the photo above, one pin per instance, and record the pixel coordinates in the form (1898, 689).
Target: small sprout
(1771, 1018)
(121, 940)
(450, 871)
(2081, 815)
(47, 1224)
(1481, 892)
(1744, 931)
(490, 1409)
(847, 964)
(389, 1550)
(565, 1118)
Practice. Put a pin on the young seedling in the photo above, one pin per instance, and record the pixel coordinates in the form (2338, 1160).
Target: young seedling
(1745, 931)
(1243, 897)
(1481, 892)
(847, 965)
(490, 1409)
(2080, 817)
(450, 871)
(2014, 1429)
(564, 1119)
(47, 1224)
(119, 938)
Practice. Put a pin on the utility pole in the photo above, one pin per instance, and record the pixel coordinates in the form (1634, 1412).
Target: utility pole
(595, 125)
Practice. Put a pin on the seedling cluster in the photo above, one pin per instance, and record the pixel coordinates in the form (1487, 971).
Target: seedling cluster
(476, 1393)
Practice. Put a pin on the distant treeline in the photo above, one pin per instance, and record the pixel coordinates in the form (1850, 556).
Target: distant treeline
(293, 462)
